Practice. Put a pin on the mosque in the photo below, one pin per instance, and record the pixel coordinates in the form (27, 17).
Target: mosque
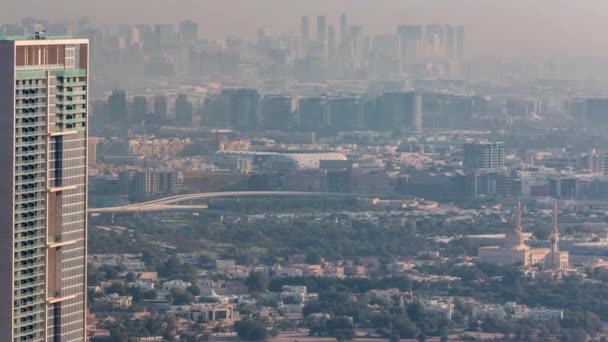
(516, 252)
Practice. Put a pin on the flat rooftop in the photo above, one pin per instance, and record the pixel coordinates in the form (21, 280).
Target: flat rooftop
(32, 37)
(33, 40)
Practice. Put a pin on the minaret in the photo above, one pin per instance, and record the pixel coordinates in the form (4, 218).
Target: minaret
(518, 226)
(515, 238)
(554, 238)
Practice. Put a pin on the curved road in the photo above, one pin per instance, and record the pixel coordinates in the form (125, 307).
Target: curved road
(171, 203)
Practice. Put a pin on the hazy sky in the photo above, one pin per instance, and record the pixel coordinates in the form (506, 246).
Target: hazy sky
(494, 27)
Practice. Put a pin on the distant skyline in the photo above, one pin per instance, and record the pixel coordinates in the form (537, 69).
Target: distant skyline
(493, 27)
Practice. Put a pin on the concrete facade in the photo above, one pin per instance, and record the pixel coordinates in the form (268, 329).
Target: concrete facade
(43, 221)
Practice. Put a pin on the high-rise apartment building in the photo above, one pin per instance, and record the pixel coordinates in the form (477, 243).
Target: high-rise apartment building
(43, 197)
(483, 155)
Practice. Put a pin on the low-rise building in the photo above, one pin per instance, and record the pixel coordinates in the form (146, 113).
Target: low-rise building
(117, 301)
(176, 285)
(293, 294)
(225, 266)
(214, 312)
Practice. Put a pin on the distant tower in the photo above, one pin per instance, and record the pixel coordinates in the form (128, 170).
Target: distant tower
(322, 30)
(515, 238)
(554, 239)
(343, 31)
(331, 40)
(305, 28)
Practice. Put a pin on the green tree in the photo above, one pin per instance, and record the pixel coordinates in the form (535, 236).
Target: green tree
(194, 290)
(405, 328)
(257, 282)
(130, 277)
(251, 330)
(181, 297)
(341, 328)
(313, 258)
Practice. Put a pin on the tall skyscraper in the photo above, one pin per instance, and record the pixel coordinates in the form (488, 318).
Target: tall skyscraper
(343, 31)
(322, 29)
(331, 41)
(43, 193)
(450, 41)
(459, 35)
(410, 42)
(164, 36)
(305, 28)
(435, 41)
(483, 155)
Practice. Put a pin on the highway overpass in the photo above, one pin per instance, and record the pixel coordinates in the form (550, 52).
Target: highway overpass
(172, 203)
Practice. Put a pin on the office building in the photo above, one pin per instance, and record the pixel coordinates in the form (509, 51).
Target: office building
(563, 187)
(188, 31)
(410, 42)
(160, 108)
(331, 42)
(446, 111)
(357, 47)
(312, 113)
(595, 111)
(401, 111)
(183, 110)
(483, 155)
(244, 108)
(345, 113)
(488, 182)
(278, 111)
(117, 106)
(43, 194)
(322, 29)
(459, 37)
(305, 32)
(435, 41)
(139, 109)
(343, 31)
(164, 36)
